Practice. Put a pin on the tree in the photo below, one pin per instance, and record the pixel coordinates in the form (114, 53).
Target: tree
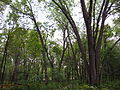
(94, 32)
(30, 54)
(95, 39)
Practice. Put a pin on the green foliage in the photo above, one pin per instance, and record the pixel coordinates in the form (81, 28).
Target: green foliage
(33, 44)
(108, 32)
(6, 1)
(56, 50)
(1, 7)
(114, 85)
(58, 76)
(25, 51)
(36, 78)
(117, 26)
(73, 85)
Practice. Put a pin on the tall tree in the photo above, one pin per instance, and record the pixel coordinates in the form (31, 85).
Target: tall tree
(94, 29)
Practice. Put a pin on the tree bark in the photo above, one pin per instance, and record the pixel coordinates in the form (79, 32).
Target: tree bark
(87, 18)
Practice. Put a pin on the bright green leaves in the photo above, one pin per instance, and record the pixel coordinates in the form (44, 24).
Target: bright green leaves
(108, 32)
(55, 48)
(28, 39)
(17, 37)
(33, 44)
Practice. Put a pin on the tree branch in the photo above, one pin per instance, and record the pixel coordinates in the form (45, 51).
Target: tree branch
(114, 44)
(98, 20)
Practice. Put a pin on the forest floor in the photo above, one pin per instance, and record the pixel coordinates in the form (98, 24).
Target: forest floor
(72, 85)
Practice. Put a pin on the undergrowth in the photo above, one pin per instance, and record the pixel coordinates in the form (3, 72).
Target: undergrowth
(72, 85)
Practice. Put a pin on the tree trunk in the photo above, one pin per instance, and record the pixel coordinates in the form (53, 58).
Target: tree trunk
(15, 69)
(75, 30)
(3, 62)
(44, 53)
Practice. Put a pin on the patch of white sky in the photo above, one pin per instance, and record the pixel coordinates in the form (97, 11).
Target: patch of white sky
(78, 17)
(3, 17)
(41, 16)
